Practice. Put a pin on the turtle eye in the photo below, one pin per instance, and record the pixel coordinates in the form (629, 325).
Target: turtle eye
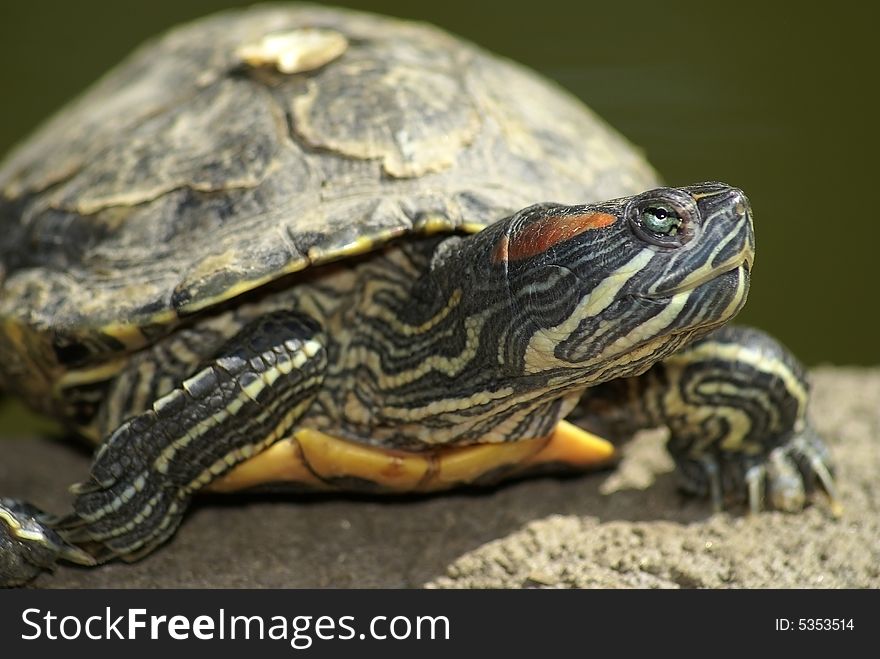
(661, 220)
(665, 217)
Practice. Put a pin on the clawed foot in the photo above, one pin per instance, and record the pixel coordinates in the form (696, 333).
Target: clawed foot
(29, 545)
(783, 480)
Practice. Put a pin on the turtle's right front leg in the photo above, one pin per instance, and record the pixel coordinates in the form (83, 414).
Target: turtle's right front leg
(735, 403)
(144, 474)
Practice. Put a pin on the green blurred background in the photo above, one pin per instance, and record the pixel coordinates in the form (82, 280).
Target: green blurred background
(772, 97)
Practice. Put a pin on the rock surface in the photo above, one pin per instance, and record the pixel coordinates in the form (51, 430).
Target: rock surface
(627, 528)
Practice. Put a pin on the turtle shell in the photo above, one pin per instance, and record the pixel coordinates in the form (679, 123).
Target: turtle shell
(212, 161)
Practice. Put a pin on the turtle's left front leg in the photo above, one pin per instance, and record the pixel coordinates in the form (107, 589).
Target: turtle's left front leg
(144, 474)
(735, 403)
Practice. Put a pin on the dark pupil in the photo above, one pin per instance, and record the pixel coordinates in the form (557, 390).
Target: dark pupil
(661, 213)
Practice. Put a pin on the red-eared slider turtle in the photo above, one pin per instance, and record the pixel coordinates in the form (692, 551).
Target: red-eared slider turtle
(311, 246)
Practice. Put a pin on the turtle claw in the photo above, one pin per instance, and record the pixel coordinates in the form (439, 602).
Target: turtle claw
(712, 471)
(784, 479)
(754, 478)
(86, 487)
(29, 545)
(807, 469)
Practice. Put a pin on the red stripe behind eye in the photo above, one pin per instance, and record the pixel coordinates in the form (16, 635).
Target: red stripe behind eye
(542, 235)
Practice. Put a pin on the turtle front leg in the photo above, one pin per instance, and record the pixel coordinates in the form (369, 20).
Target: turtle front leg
(144, 474)
(735, 404)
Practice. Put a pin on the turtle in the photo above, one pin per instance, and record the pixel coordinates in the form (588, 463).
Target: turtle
(305, 247)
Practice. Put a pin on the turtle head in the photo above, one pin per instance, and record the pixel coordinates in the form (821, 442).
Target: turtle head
(608, 289)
